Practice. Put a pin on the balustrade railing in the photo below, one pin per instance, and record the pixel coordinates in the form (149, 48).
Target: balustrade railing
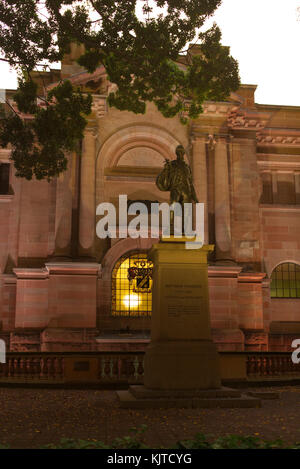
(124, 367)
(271, 365)
(26, 367)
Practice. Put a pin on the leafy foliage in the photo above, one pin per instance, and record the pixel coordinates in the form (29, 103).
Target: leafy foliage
(200, 441)
(39, 144)
(139, 52)
(133, 441)
(229, 442)
(68, 443)
(4, 446)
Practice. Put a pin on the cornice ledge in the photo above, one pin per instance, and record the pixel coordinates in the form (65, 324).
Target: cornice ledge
(243, 118)
(218, 109)
(251, 277)
(73, 268)
(224, 271)
(279, 137)
(27, 273)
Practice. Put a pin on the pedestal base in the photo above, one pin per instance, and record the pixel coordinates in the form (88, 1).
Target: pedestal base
(139, 397)
(173, 365)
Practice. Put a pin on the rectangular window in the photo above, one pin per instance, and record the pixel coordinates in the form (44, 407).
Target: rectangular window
(267, 194)
(4, 178)
(286, 193)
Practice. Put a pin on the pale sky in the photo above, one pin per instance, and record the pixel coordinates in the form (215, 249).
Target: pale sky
(264, 36)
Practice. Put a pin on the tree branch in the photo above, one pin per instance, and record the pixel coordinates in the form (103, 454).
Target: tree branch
(17, 62)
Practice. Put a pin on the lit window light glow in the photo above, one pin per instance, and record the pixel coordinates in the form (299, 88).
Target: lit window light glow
(131, 301)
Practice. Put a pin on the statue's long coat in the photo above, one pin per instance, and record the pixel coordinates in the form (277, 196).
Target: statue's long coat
(176, 177)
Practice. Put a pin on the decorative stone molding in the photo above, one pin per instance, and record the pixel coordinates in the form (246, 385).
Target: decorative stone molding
(211, 141)
(4, 155)
(217, 109)
(277, 162)
(91, 129)
(244, 119)
(276, 138)
(99, 106)
(256, 337)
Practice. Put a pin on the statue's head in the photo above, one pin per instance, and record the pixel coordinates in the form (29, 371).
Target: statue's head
(180, 152)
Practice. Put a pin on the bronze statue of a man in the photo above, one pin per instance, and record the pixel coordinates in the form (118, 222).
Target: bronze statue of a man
(176, 177)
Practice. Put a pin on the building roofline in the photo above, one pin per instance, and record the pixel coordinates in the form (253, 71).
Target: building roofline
(278, 106)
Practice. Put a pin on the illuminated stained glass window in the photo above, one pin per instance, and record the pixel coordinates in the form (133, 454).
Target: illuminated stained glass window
(132, 286)
(286, 281)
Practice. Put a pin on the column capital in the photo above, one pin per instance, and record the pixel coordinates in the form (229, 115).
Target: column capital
(91, 129)
(244, 134)
(211, 138)
(223, 138)
(198, 138)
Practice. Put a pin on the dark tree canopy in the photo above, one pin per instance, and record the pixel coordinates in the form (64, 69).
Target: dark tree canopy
(138, 46)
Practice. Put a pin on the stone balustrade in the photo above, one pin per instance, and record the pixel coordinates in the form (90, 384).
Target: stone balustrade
(52, 368)
(128, 368)
(263, 365)
(36, 367)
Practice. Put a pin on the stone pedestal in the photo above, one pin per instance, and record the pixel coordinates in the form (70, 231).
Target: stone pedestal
(181, 354)
(181, 362)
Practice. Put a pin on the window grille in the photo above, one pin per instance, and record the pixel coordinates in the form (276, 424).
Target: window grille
(285, 281)
(132, 286)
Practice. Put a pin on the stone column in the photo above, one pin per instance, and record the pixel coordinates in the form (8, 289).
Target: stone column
(246, 186)
(87, 213)
(297, 187)
(222, 201)
(63, 213)
(275, 187)
(199, 170)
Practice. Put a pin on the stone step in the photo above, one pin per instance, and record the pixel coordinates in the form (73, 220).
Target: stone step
(141, 392)
(265, 395)
(129, 401)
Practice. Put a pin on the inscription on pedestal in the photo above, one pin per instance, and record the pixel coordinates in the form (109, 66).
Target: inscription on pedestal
(183, 299)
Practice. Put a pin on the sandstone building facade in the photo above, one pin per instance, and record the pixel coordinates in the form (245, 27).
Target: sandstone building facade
(64, 289)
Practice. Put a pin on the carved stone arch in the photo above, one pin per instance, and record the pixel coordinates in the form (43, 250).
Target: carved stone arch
(127, 138)
(285, 281)
(276, 263)
(120, 249)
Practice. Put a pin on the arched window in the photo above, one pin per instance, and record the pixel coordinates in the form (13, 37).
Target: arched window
(132, 286)
(286, 281)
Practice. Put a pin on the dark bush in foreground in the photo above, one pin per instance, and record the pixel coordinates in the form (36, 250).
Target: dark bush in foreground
(200, 441)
